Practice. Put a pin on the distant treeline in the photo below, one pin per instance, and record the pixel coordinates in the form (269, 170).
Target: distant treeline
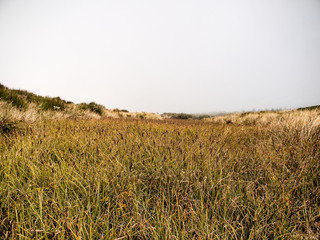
(185, 116)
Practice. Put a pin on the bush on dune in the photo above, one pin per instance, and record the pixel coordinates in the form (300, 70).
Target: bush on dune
(93, 107)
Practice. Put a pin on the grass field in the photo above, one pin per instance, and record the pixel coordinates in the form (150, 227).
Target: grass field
(160, 179)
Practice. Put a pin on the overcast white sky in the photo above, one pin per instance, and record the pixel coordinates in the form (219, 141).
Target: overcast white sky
(166, 55)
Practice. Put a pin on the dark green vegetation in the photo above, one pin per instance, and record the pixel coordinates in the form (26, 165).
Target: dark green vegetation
(7, 125)
(185, 116)
(310, 108)
(12, 96)
(175, 179)
(93, 107)
(21, 99)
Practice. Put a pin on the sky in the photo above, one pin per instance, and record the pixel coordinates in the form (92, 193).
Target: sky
(192, 56)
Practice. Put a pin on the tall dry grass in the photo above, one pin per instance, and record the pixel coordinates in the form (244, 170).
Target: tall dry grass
(171, 179)
(293, 118)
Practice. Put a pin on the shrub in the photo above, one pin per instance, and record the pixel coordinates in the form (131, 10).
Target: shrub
(52, 104)
(17, 101)
(12, 97)
(93, 107)
(182, 116)
(200, 117)
(244, 114)
(6, 125)
(141, 116)
(124, 110)
(179, 115)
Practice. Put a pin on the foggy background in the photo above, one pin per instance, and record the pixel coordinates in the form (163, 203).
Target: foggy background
(164, 56)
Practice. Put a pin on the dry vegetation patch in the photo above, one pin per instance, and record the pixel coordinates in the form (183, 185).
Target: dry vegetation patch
(266, 118)
(170, 179)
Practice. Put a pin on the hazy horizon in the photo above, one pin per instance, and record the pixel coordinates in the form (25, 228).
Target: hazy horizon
(168, 56)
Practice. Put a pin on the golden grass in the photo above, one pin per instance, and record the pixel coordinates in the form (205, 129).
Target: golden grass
(309, 118)
(171, 179)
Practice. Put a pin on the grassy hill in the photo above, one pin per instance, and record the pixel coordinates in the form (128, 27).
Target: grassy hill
(269, 118)
(21, 99)
(88, 176)
(22, 105)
